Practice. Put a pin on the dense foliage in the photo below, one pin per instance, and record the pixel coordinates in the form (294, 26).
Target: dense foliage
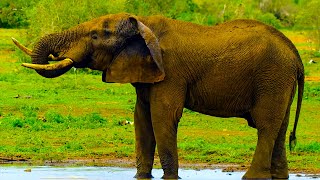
(13, 13)
(47, 16)
(18, 13)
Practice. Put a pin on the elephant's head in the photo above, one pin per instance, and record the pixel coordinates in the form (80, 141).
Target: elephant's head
(126, 50)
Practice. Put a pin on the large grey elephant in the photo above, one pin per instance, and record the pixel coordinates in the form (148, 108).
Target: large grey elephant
(241, 68)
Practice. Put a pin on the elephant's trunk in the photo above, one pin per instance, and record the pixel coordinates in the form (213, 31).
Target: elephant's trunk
(49, 44)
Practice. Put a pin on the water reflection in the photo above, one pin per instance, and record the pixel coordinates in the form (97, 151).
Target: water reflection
(113, 173)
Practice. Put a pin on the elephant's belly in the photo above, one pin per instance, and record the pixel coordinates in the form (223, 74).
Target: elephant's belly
(219, 103)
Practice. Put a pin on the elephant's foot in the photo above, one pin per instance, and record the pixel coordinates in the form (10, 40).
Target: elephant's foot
(279, 172)
(243, 178)
(257, 175)
(280, 175)
(166, 176)
(143, 176)
(259, 178)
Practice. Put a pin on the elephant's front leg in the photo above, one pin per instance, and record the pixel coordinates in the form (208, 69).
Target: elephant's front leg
(165, 128)
(165, 118)
(145, 141)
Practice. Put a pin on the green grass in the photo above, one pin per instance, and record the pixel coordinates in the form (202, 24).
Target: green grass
(76, 116)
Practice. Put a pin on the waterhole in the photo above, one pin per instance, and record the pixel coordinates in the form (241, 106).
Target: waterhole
(116, 173)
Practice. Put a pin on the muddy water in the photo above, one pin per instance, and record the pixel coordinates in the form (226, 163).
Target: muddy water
(113, 173)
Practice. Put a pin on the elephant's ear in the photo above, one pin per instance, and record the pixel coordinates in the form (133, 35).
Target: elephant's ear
(140, 60)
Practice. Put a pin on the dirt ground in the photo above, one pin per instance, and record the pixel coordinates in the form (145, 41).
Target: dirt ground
(312, 78)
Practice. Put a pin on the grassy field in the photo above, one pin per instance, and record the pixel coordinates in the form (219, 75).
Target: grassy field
(78, 117)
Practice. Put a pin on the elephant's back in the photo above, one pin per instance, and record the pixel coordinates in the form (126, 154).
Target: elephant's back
(253, 29)
(258, 39)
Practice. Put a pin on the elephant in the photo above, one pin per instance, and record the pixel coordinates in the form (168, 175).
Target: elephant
(241, 68)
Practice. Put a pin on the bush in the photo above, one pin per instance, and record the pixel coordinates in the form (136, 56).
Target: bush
(54, 117)
(313, 147)
(13, 13)
(308, 18)
(17, 123)
(71, 146)
(312, 91)
(316, 54)
(64, 14)
(47, 16)
(269, 19)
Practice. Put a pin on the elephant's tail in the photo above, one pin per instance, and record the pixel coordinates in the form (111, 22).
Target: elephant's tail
(292, 138)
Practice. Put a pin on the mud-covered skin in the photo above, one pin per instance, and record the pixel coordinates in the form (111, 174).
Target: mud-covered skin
(241, 68)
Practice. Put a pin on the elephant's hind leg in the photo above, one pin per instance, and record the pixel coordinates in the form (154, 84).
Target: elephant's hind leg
(268, 114)
(279, 164)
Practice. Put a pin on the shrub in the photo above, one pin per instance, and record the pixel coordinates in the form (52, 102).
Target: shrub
(95, 118)
(308, 18)
(71, 146)
(17, 123)
(269, 19)
(316, 54)
(313, 147)
(311, 90)
(54, 117)
(13, 13)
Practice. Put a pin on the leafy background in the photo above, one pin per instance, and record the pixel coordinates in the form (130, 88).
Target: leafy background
(47, 16)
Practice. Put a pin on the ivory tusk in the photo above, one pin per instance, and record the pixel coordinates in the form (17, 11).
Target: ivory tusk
(59, 65)
(22, 47)
(29, 51)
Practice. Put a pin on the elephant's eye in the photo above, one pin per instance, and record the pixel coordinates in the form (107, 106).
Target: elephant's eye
(94, 35)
